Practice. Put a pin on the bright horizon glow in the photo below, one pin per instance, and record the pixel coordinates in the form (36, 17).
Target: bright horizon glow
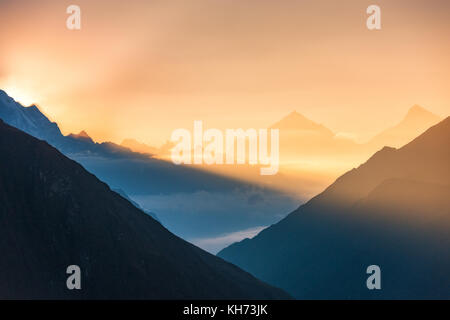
(20, 95)
(142, 71)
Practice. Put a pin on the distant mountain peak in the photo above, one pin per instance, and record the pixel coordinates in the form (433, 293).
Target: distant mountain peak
(296, 115)
(298, 122)
(418, 117)
(81, 135)
(129, 140)
(418, 111)
(415, 122)
(416, 107)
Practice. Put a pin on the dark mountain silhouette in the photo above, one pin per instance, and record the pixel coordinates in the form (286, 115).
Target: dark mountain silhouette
(54, 214)
(392, 211)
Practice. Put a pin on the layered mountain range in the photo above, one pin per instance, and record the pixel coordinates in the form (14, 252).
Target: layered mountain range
(56, 214)
(311, 155)
(165, 176)
(213, 201)
(392, 211)
(185, 198)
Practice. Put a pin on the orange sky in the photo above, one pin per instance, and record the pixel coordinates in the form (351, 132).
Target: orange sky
(144, 68)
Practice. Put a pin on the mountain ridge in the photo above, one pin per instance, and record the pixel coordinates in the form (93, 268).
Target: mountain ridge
(374, 214)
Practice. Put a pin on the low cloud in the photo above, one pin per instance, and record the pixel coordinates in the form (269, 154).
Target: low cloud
(205, 215)
(215, 244)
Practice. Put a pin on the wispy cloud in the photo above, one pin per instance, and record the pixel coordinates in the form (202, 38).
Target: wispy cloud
(215, 244)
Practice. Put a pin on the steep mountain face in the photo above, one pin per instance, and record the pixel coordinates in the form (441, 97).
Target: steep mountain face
(32, 121)
(28, 119)
(392, 211)
(55, 214)
(134, 203)
(416, 121)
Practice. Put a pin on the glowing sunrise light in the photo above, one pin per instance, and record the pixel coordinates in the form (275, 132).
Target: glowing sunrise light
(19, 95)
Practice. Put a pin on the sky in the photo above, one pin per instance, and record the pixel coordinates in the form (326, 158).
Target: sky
(141, 69)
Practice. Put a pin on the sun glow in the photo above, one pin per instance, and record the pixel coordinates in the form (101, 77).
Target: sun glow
(20, 95)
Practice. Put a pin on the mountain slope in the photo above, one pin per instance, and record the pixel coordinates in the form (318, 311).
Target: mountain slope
(55, 214)
(29, 119)
(134, 203)
(32, 121)
(392, 211)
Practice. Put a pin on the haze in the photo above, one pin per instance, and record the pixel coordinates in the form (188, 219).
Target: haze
(141, 69)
